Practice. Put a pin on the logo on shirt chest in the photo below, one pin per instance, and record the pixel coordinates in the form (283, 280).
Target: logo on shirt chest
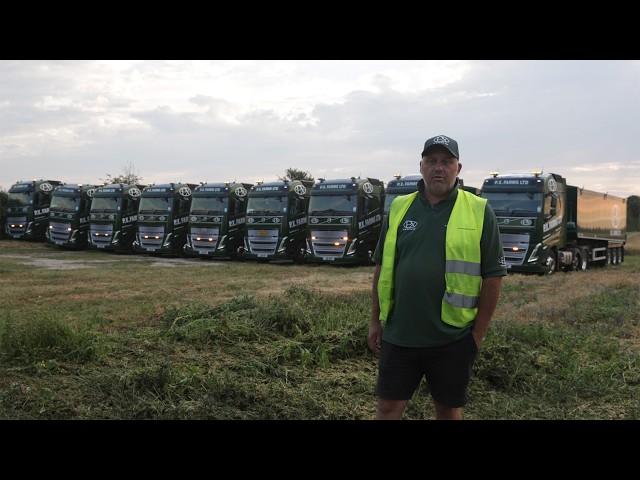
(409, 225)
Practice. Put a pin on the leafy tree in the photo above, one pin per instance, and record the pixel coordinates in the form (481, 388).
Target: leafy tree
(295, 174)
(128, 176)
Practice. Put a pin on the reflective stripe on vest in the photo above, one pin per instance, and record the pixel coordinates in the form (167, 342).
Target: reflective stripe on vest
(462, 254)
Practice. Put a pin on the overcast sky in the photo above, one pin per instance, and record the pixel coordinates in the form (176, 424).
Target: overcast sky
(195, 121)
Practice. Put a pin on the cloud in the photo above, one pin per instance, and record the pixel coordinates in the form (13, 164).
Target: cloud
(248, 120)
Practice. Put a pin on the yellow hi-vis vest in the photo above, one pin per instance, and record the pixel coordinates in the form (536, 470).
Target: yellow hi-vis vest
(462, 253)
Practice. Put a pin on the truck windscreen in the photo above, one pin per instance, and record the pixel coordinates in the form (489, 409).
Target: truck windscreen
(104, 204)
(209, 204)
(152, 204)
(258, 205)
(331, 204)
(513, 203)
(18, 199)
(64, 203)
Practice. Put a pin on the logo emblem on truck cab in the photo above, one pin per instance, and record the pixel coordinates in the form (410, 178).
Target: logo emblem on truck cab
(185, 191)
(134, 192)
(241, 192)
(367, 188)
(90, 192)
(46, 187)
(300, 189)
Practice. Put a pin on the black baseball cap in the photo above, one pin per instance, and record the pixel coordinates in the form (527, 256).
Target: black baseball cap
(443, 141)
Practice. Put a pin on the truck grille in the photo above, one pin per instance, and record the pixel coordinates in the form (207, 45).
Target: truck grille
(150, 243)
(17, 231)
(101, 234)
(208, 239)
(325, 242)
(60, 233)
(511, 241)
(262, 242)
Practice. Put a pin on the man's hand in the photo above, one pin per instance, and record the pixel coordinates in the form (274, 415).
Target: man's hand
(477, 338)
(375, 336)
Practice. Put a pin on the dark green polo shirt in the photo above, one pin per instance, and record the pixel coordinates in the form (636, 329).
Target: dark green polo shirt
(419, 284)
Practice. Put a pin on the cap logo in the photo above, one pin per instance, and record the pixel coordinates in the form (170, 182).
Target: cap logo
(184, 191)
(134, 192)
(300, 189)
(441, 139)
(46, 187)
(367, 188)
(90, 192)
(241, 192)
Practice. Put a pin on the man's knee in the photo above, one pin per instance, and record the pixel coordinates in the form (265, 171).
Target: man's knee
(444, 412)
(390, 409)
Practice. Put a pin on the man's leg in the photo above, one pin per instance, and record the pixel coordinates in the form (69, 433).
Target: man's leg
(390, 409)
(444, 412)
(399, 374)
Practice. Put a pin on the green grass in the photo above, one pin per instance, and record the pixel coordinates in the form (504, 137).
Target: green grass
(118, 343)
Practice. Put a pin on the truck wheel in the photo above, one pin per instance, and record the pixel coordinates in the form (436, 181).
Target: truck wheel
(584, 260)
(550, 264)
(299, 254)
(609, 256)
(614, 256)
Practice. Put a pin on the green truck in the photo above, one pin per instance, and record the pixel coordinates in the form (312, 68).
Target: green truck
(399, 186)
(276, 220)
(163, 217)
(114, 216)
(345, 216)
(546, 225)
(217, 220)
(28, 209)
(69, 214)
(409, 184)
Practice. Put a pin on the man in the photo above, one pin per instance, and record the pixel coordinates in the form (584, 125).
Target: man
(436, 284)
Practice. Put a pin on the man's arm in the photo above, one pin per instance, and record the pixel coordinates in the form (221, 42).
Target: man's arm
(375, 326)
(489, 294)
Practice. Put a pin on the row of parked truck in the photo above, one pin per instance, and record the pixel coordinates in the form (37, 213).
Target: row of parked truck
(545, 224)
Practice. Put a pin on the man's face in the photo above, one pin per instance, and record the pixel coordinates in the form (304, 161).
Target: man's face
(439, 170)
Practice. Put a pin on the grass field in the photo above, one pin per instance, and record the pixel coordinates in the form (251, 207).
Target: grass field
(89, 335)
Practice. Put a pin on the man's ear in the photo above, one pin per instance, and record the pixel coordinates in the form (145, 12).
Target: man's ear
(459, 167)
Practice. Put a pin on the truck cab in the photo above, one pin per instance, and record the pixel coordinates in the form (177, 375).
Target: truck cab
(28, 209)
(345, 216)
(69, 214)
(276, 220)
(399, 186)
(163, 216)
(217, 220)
(113, 217)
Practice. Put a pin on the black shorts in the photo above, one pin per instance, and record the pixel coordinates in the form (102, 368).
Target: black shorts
(446, 368)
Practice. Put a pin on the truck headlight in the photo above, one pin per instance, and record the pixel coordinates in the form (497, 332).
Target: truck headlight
(534, 255)
(282, 245)
(352, 248)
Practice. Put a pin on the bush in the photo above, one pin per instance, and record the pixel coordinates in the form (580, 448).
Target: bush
(46, 338)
